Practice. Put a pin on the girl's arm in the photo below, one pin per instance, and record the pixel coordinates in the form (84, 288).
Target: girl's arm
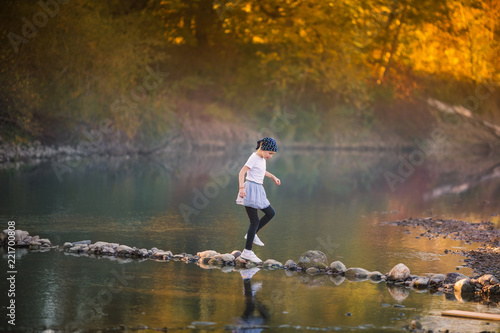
(241, 180)
(273, 177)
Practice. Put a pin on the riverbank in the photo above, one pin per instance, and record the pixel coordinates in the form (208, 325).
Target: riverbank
(437, 133)
(483, 260)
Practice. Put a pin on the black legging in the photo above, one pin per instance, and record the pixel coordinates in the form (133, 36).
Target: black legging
(256, 224)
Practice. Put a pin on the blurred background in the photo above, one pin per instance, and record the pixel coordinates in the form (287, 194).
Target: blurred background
(353, 73)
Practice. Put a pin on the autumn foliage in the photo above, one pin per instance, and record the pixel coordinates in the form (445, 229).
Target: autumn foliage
(70, 65)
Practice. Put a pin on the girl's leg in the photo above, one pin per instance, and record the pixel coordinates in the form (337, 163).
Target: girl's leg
(254, 225)
(269, 211)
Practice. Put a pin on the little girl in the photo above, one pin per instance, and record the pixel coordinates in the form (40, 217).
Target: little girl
(253, 196)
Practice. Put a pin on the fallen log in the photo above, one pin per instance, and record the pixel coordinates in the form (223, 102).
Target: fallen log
(470, 314)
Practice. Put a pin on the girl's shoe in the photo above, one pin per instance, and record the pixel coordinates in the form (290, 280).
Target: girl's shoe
(249, 255)
(256, 240)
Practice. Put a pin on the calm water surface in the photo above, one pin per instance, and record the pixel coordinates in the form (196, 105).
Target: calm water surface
(331, 201)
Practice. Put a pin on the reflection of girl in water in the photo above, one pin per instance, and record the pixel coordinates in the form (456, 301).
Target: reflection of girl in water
(250, 320)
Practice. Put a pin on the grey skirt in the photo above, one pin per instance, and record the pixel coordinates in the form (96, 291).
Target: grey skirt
(255, 196)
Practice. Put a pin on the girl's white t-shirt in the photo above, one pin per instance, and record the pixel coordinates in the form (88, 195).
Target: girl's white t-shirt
(257, 167)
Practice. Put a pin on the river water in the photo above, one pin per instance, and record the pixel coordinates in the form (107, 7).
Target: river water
(331, 201)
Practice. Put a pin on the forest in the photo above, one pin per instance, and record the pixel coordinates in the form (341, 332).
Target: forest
(141, 70)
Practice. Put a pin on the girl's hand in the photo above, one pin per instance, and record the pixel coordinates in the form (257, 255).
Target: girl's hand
(242, 193)
(277, 181)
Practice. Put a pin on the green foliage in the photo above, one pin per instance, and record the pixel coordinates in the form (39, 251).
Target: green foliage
(328, 62)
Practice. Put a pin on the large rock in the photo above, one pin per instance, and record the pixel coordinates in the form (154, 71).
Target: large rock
(337, 267)
(399, 272)
(464, 286)
(313, 258)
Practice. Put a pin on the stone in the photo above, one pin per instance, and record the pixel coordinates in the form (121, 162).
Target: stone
(124, 249)
(421, 282)
(20, 235)
(290, 264)
(464, 286)
(236, 253)
(45, 241)
(207, 254)
(437, 280)
(215, 262)
(337, 267)
(313, 258)
(357, 273)
(226, 257)
(109, 251)
(67, 245)
(453, 277)
(163, 255)
(312, 271)
(204, 260)
(487, 279)
(99, 244)
(74, 249)
(398, 272)
(271, 263)
(375, 276)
